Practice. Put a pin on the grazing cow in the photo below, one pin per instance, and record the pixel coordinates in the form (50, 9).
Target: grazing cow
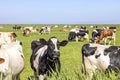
(7, 37)
(76, 33)
(95, 34)
(15, 27)
(107, 34)
(45, 56)
(11, 61)
(45, 29)
(83, 27)
(101, 57)
(28, 30)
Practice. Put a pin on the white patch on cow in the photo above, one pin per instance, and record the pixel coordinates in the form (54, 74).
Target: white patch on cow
(76, 30)
(103, 61)
(39, 53)
(14, 59)
(95, 31)
(54, 40)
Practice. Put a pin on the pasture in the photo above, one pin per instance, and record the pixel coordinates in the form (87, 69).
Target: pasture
(70, 57)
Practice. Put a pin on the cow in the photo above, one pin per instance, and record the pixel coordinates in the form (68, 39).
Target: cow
(16, 27)
(77, 33)
(45, 57)
(28, 30)
(45, 29)
(7, 37)
(105, 58)
(107, 34)
(95, 34)
(12, 61)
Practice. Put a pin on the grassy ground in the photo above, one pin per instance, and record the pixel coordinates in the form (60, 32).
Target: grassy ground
(70, 54)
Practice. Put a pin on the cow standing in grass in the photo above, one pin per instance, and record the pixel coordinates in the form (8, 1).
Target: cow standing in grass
(77, 33)
(11, 61)
(101, 57)
(45, 57)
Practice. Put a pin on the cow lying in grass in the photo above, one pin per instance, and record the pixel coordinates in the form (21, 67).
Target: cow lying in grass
(11, 61)
(101, 57)
(45, 57)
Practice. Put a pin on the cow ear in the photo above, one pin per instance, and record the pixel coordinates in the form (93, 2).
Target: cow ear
(43, 41)
(14, 35)
(63, 43)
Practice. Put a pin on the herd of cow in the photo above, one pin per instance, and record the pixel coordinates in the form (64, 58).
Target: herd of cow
(45, 57)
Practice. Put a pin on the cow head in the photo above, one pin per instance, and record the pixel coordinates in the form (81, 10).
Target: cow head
(54, 47)
(87, 50)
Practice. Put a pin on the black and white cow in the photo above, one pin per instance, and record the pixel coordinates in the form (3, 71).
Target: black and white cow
(102, 57)
(45, 29)
(95, 34)
(16, 27)
(76, 34)
(45, 57)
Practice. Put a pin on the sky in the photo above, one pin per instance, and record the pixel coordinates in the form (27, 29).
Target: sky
(59, 11)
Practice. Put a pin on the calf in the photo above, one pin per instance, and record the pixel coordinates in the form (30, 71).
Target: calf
(11, 61)
(102, 57)
(45, 57)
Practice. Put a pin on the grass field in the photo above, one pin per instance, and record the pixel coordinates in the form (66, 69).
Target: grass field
(70, 54)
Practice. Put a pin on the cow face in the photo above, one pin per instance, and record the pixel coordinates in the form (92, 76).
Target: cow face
(54, 46)
(87, 50)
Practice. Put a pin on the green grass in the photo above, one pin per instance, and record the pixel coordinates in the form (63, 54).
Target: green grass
(70, 55)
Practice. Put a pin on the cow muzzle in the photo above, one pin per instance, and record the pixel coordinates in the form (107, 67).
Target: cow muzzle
(56, 54)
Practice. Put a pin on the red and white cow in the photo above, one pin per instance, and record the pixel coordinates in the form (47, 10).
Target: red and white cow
(12, 61)
(107, 34)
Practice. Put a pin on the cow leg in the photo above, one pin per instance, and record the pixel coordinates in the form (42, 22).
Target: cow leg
(76, 38)
(105, 40)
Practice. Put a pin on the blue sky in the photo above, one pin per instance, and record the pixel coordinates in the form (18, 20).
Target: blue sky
(60, 12)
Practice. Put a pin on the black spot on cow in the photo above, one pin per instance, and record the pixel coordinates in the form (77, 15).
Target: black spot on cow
(114, 55)
(96, 56)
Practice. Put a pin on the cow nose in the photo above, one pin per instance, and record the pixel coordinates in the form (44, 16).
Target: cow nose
(57, 54)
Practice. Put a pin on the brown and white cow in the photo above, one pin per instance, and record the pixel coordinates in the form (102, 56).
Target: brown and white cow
(28, 30)
(107, 34)
(11, 61)
(7, 37)
(101, 57)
